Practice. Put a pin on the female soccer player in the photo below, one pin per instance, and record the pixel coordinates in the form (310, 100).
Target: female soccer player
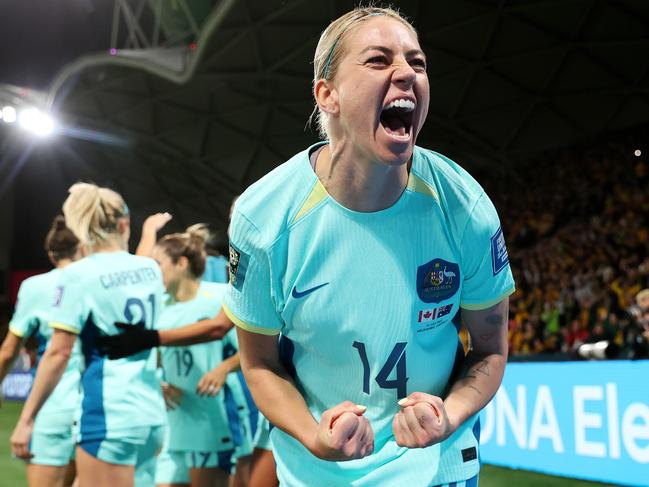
(51, 451)
(360, 252)
(122, 412)
(204, 428)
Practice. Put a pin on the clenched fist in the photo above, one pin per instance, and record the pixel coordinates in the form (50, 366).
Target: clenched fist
(343, 434)
(421, 422)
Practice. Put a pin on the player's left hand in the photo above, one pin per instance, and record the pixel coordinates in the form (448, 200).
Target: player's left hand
(20, 439)
(212, 382)
(421, 422)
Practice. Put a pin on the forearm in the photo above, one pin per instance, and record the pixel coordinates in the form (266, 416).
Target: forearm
(280, 401)
(8, 353)
(232, 364)
(147, 242)
(48, 374)
(475, 386)
(483, 367)
(199, 332)
(6, 362)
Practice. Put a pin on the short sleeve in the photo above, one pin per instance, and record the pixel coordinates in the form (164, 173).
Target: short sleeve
(249, 301)
(67, 312)
(23, 322)
(487, 275)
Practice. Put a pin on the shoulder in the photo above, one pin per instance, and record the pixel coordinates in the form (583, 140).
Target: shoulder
(269, 205)
(452, 183)
(36, 283)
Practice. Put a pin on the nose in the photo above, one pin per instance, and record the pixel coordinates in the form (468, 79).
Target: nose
(404, 75)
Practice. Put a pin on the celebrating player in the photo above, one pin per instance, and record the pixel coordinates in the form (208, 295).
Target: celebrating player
(122, 411)
(204, 414)
(51, 460)
(363, 252)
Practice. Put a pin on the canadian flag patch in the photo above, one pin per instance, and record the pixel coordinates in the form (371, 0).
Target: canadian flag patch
(427, 315)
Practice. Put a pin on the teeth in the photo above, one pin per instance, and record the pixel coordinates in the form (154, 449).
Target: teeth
(407, 105)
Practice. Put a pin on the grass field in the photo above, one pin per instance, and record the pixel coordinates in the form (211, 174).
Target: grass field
(12, 472)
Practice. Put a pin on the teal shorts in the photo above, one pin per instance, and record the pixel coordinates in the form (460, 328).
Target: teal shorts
(53, 449)
(139, 448)
(173, 466)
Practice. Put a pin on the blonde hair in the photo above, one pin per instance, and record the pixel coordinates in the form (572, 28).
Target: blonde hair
(190, 245)
(331, 49)
(92, 212)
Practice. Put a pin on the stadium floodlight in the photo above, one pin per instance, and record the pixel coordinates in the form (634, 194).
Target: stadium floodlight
(9, 114)
(638, 152)
(37, 122)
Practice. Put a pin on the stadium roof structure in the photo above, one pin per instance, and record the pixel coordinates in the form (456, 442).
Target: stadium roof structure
(184, 129)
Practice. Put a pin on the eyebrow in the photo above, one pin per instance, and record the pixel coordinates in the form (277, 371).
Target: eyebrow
(387, 50)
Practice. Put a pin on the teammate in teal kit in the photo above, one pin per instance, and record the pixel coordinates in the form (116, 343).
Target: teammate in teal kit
(122, 416)
(363, 253)
(52, 446)
(204, 429)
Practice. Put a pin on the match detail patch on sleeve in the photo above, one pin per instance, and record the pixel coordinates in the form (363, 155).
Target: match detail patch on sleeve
(238, 267)
(499, 257)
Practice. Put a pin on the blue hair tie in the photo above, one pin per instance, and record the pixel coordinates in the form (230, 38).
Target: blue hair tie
(325, 71)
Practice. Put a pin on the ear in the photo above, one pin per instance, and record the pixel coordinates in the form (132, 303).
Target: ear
(326, 96)
(83, 250)
(50, 255)
(183, 263)
(123, 225)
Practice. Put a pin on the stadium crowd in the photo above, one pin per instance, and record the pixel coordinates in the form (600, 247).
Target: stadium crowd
(579, 247)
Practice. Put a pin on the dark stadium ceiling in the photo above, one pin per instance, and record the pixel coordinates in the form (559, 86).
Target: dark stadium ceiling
(188, 129)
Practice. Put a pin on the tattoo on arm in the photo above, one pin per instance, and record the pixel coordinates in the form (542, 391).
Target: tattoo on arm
(475, 389)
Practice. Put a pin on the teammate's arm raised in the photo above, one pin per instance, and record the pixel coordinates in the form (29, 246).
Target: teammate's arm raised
(343, 433)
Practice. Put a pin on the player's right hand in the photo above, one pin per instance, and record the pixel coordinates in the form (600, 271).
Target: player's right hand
(155, 222)
(343, 434)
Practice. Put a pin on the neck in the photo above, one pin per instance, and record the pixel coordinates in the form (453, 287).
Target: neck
(110, 245)
(186, 289)
(63, 263)
(357, 183)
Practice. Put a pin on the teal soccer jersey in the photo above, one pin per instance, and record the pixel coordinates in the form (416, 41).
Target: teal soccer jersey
(92, 295)
(366, 303)
(199, 423)
(36, 297)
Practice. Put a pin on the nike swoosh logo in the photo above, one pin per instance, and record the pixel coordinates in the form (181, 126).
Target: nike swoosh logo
(297, 294)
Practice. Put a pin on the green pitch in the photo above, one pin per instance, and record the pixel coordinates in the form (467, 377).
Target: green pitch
(12, 472)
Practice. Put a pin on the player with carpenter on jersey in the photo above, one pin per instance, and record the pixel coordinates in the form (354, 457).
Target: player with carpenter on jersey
(365, 253)
(122, 414)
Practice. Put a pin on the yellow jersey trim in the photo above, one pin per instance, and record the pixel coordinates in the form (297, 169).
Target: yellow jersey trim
(488, 304)
(418, 185)
(64, 327)
(15, 331)
(318, 193)
(245, 326)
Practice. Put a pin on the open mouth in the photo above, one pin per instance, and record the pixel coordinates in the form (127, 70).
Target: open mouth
(396, 117)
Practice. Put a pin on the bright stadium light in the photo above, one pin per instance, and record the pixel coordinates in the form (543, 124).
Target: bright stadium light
(9, 114)
(638, 152)
(36, 121)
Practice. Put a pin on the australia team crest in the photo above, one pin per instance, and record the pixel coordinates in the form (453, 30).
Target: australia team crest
(437, 280)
